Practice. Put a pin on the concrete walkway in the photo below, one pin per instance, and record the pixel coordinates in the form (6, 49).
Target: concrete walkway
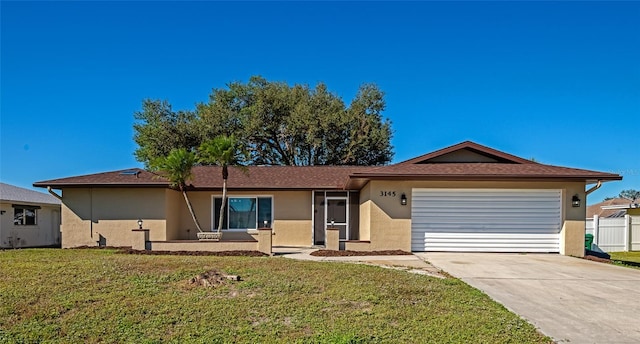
(409, 263)
(569, 299)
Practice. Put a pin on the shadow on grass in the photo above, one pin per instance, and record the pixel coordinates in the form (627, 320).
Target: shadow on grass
(626, 262)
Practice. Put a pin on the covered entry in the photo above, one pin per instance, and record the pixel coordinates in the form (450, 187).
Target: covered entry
(338, 209)
(486, 220)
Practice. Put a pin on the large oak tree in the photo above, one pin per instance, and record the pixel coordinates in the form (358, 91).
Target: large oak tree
(278, 123)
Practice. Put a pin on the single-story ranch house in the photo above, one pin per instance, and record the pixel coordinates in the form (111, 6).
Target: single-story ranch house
(466, 197)
(28, 218)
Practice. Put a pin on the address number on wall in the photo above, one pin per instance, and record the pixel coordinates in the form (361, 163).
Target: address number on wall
(387, 194)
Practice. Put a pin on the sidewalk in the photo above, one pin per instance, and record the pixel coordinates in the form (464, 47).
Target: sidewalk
(410, 263)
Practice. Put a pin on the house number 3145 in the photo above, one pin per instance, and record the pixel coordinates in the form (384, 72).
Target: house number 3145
(387, 194)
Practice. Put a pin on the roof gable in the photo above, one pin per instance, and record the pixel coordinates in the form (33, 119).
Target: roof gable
(467, 152)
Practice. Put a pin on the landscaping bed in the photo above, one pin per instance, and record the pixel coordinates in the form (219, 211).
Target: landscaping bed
(195, 253)
(346, 253)
(631, 259)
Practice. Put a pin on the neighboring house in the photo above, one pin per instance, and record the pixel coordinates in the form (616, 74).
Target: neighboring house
(28, 218)
(466, 197)
(615, 207)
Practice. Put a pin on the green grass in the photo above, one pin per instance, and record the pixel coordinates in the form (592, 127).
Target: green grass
(626, 258)
(89, 296)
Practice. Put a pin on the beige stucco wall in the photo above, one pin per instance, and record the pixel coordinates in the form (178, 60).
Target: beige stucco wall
(201, 202)
(46, 232)
(572, 238)
(203, 246)
(88, 214)
(173, 200)
(365, 213)
(291, 213)
(389, 223)
(292, 218)
(110, 213)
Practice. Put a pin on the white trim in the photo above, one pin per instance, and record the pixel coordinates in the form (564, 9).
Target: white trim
(326, 209)
(313, 216)
(621, 206)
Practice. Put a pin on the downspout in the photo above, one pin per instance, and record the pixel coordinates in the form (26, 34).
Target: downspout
(593, 188)
(53, 193)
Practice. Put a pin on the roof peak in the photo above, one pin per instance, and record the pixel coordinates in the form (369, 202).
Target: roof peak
(467, 152)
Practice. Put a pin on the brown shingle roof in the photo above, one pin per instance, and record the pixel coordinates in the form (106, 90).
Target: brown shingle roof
(506, 167)
(276, 177)
(596, 209)
(210, 177)
(479, 171)
(132, 177)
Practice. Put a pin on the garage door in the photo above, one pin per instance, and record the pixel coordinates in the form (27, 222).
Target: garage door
(485, 220)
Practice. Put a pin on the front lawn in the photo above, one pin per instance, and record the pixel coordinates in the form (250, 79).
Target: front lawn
(626, 258)
(88, 296)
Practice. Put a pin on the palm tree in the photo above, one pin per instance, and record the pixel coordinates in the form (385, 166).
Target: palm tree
(176, 167)
(223, 151)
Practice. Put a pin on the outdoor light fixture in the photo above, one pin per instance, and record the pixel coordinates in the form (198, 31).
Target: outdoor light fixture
(575, 201)
(265, 223)
(333, 223)
(403, 199)
(140, 223)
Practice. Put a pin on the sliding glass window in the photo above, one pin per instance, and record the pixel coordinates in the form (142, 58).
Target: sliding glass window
(244, 212)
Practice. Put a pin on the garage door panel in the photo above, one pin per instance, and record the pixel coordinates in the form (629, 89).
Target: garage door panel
(492, 243)
(451, 229)
(499, 218)
(486, 220)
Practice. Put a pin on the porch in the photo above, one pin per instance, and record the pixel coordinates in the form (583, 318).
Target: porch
(230, 241)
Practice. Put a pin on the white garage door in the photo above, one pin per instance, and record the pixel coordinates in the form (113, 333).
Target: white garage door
(485, 220)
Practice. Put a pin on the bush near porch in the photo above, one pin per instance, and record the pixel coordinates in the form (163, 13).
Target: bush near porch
(63, 296)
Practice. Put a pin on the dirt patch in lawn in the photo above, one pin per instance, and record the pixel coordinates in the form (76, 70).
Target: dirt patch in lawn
(346, 253)
(212, 278)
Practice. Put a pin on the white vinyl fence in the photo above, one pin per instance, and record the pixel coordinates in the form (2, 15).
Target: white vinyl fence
(615, 234)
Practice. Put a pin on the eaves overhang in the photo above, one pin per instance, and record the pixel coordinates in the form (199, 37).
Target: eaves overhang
(359, 181)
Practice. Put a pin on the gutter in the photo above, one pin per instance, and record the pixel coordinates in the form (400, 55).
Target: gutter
(53, 193)
(593, 188)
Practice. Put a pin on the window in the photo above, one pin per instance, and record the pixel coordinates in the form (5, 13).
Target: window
(24, 215)
(243, 213)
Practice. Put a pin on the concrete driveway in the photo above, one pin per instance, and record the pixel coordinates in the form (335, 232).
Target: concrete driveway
(568, 299)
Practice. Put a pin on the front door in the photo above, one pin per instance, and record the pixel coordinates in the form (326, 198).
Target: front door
(333, 208)
(336, 215)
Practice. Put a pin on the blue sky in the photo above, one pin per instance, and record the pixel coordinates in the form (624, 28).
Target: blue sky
(554, 81)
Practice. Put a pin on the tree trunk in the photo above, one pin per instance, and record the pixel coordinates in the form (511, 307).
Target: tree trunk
(224, 199)
(193, 215)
